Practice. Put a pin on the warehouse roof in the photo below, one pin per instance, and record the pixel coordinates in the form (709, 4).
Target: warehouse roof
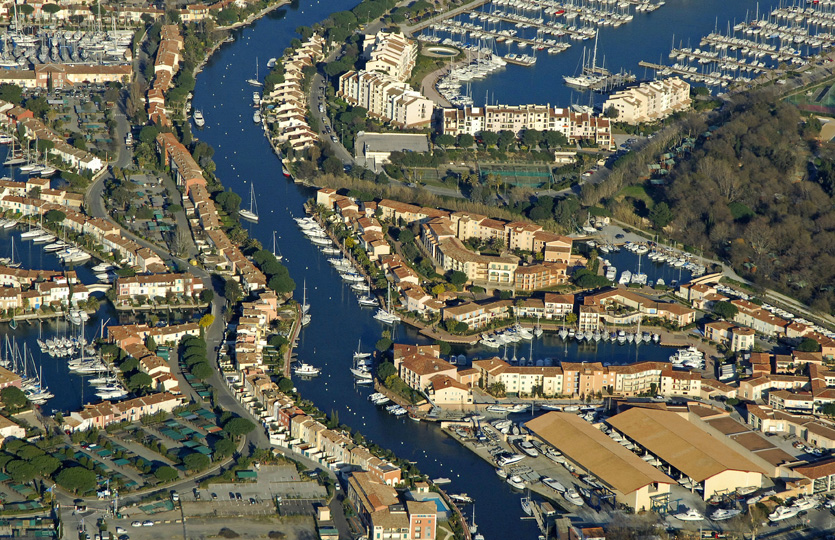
(689, 449)
(591, 449)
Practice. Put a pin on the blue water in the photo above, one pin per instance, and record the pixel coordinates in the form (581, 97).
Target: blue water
(648, 37)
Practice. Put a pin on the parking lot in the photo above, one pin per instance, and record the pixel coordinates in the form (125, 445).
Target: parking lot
(199, 528)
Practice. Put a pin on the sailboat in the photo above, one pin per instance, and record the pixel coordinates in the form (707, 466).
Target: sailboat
(256, 81)
(387, 315)
(305, 306)
(359, 355)
(277, 254)
(474, 529)
(252, 213)
(591, 75)
(12, 263)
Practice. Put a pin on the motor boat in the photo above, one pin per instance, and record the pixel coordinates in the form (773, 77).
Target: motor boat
(783, 512)
(724, 513)
(573, 497)
(553, 484)
(690, 515)
(516, 482)
(307, 370)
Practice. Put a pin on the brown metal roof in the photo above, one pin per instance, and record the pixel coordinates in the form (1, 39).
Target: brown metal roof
(590, 448)
(681, 444)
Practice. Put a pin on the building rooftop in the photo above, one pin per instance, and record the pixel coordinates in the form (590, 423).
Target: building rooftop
(593, 450)
(681, 444)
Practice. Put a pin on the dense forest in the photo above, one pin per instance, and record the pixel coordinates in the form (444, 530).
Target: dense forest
(757, 191)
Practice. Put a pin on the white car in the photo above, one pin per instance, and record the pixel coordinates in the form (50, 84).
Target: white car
(148, 523)
(120, 530)
(136, 524)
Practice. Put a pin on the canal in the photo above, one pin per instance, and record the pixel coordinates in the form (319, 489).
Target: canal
(243, 157)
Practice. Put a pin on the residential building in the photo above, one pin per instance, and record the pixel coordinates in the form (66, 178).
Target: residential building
(386, 98)
(649, 101)
(574, 126)
(391, 54)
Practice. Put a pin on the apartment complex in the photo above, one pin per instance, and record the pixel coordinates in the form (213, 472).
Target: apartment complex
(622, 306)
(386, 98)
(588, 379)
(650, 101)
(157, 285)
(391, 54)
(105, 413)
(166, 65)
(575, 126)
(184, 169)
(290, 99)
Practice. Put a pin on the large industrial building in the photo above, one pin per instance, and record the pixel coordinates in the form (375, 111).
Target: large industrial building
(706, 460)
(631, 480)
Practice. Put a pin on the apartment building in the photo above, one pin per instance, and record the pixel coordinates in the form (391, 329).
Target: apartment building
(736, 338)
(158, 285)
(186, 171)
(386, 98)
(759, 319)
(391, 54)
(105, 413)
(575, 126)
(650, 101)
(382, 511)
(477, 315)
(290, 99)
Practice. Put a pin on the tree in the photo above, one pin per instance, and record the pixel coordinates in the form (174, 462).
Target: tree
(465, 140)
(13, 398)
(148, 134)
(490, 138)
(165, 473)
(21, 471)
(54, 216)
(76, 479)
(332, 165)
(140, 380)
(571, 318)
(554, 139)
(11, 93)
(229, 201)
(405, 236)
(457, 278)
(531, 138)
(224, 448)
(386, 370)
(383, 344)
(611, 112)
(196, 462)
(238, 426)
(202, 370)
(828, 409)
(809, 345)
(232, 291)
(151, 343)
(445, 140)
(45, 465)
(206, 296)
(660, 215)
(206, 320)
(726, 310)
(285, 385)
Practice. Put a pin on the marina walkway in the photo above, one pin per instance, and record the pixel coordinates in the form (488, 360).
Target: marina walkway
(409, 30)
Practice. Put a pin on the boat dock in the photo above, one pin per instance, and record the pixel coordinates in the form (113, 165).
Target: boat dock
(409, 30)
(553, 28)
(706, 57)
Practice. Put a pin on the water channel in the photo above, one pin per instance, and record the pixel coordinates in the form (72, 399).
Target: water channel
(243, 156)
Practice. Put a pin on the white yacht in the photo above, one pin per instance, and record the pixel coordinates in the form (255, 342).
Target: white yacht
(723, 513)
(307, 370)
(783, 512)
(690, 515)
(367, 301)
(199, 121)
(553, 484)
(573, 497)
